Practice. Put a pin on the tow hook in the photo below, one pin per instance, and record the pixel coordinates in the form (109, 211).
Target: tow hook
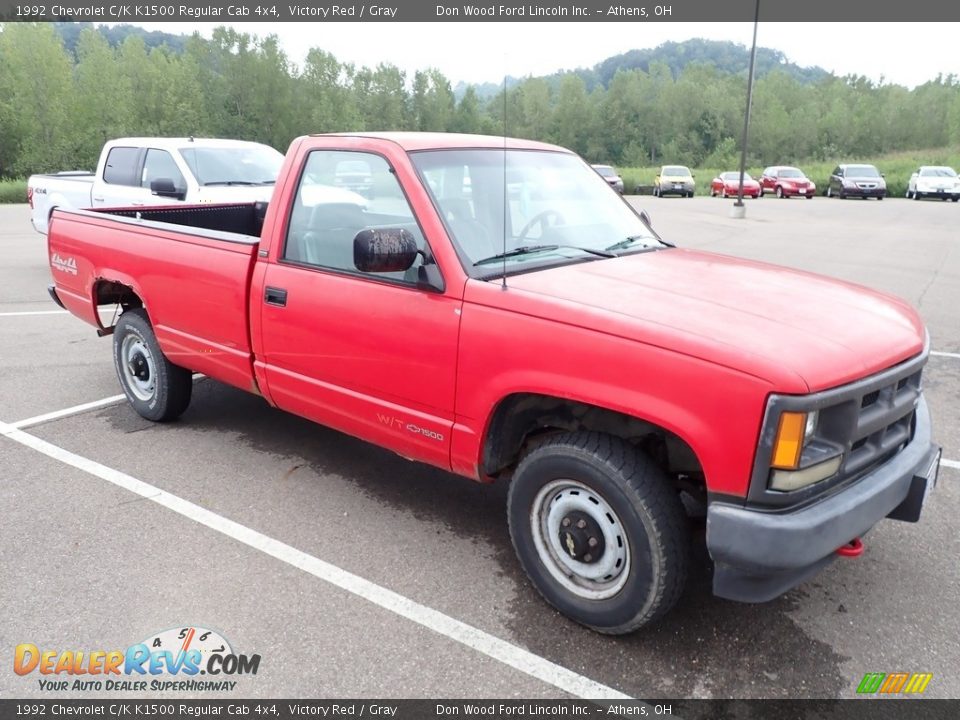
(852, 549)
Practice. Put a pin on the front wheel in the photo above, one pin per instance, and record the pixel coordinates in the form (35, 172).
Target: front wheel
(780, 193)
(599, 531)
(829, 192)
(157, 389)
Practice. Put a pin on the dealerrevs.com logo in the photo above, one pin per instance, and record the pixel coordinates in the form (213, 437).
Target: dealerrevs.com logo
(172, 660)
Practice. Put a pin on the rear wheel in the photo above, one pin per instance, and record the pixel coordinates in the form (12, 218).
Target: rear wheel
(157, 389)
(599, 530)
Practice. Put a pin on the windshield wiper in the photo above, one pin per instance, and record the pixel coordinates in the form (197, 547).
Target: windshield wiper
(630, 240)
(527, 249)
(230, 182)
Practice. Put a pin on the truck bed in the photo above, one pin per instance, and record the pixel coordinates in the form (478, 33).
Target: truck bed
(239, 218)
(193, 263)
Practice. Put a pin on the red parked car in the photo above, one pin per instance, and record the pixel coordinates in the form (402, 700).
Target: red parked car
(728, 184)
(785, 182)
(542, 337)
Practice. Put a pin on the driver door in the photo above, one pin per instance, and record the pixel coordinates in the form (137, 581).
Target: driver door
(371, 354)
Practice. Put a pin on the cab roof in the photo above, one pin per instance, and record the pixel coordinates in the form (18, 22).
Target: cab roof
(412, 141)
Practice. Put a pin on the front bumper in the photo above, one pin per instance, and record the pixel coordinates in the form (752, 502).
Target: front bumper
(930, 193)
(761, 554)
(670, 188)
(863, 192)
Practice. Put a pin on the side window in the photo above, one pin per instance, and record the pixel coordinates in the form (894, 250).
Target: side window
(121, 166)
(160, 164)
(340, 194)
(838, 172)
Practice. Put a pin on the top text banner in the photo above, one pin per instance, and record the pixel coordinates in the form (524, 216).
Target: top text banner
(858, 11)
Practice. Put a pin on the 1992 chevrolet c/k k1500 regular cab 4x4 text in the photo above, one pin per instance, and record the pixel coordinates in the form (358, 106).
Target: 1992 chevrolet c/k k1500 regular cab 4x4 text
(493, 308)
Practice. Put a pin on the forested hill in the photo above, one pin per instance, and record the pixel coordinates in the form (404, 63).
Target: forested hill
(725, 56)
(66, 88)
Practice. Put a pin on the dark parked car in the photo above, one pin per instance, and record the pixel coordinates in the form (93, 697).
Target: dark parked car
(785, 182)
(611, 176)
(863, 181)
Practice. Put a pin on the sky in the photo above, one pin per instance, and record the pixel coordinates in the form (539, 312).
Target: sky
(900, 53)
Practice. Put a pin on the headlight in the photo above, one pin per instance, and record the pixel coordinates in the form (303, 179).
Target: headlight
(794, 431)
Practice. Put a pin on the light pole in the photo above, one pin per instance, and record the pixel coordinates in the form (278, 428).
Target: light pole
(739, 210)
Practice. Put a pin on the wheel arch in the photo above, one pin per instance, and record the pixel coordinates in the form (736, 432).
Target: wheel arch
(115, 292)
(521, 417)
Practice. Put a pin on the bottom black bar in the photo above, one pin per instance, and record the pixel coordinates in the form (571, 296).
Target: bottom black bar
(254, 709)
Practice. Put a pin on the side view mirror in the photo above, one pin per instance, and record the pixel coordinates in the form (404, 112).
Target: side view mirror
(164, 187)
(646, 219)
(883, 175)
(383, 250)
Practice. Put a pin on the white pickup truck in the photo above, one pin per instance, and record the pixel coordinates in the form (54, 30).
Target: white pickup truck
(160, 171)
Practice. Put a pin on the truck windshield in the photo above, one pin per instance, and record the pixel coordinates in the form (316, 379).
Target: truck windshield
(558, 209)
(236, 165)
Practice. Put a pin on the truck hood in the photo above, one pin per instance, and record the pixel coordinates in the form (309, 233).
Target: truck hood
(800, 331)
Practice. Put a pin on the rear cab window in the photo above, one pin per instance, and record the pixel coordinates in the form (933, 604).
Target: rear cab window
(122, 166)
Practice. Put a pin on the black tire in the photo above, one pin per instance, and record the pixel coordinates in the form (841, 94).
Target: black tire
(829, 192)
(156, 388)
(779, 192)
(645, 544)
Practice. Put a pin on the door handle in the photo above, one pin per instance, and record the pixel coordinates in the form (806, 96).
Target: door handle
(275, 296)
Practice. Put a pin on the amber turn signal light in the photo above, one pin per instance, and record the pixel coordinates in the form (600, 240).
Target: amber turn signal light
(789, 441)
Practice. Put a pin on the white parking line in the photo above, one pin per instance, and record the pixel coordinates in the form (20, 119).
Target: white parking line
(474, 638)
(950, 464)
(956, 356)
(33, 312)
(67, 412)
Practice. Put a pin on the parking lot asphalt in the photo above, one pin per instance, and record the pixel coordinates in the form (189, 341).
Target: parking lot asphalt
(86, 564)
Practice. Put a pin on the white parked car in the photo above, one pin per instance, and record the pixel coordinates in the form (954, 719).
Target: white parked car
(934, 181)
(160, 171)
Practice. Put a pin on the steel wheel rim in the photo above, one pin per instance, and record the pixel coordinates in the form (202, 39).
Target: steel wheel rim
(138, 367)
(599, 580)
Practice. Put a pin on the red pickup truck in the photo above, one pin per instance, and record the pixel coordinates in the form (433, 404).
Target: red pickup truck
(493, 308)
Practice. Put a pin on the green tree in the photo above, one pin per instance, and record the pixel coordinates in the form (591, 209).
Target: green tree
(35, 97)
